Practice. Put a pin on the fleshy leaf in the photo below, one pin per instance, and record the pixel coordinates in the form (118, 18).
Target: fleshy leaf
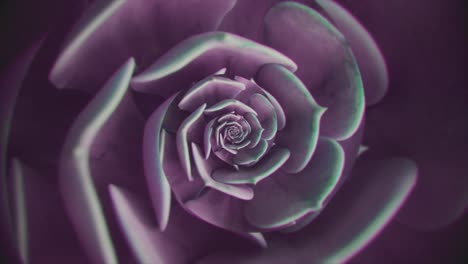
(158, 185)
(95, 17)
(218, 209)
(213, 50)
(218, 133)
(355, 216)
(256, 133)
(229, 118)
(20, 209)
(228, 106)
(388, 184)
(282, 199)
(183, 188)
(76, 182)
(239, 146)
(205, 169)
(249, 156)
(208, 133)
(183, 142)
(303, 114)
(363, 149)
(368, 55)
(246, 18)
(37, 206)
(301, 222)
(258, 238)
(221, 71)
(328, 68)
(271, 162)
(223, 146)
(185, 239)
(210, 91)
(252, 88)
(112, 31)
(281, 117)
(266, 115)
(146, 242)
(11, 81)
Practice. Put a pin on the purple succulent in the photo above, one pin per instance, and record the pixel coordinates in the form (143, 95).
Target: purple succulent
(216, 131)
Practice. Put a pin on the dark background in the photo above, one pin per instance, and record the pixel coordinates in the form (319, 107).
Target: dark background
(423, 115)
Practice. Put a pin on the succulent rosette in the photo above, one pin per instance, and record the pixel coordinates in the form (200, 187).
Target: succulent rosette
(205, 130)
